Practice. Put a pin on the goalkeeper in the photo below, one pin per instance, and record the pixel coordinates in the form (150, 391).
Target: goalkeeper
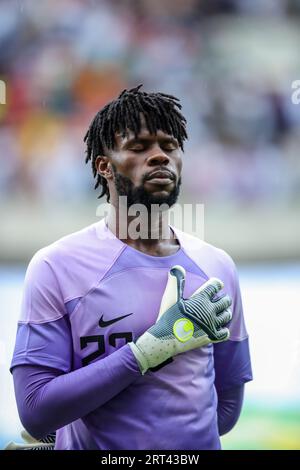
(125, 342)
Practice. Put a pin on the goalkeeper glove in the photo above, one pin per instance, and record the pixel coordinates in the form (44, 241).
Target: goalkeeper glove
(183, 324)
(30, 443)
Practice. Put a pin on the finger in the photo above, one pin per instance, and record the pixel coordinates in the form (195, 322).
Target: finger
(224, 318)
(16, 446)
(223, 334)
(210, 287)
(27, 437)
(223, 303)
(174, 289)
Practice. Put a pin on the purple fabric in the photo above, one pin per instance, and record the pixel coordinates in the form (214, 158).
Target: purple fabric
(232, 364)
(38, 395)
(230, 403)
(37, 390)
(147, 261)
(217, 263)
(85, 297)
(48, 399)
(70, 306)
(47, 345)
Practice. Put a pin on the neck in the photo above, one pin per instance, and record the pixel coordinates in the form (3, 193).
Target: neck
(149, 233)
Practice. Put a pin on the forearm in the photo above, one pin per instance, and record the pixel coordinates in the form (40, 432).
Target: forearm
(229, 408)
(48, 400)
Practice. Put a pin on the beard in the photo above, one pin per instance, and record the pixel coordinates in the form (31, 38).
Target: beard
(139, 195)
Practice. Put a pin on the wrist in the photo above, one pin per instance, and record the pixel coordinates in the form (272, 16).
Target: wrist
(140, 358)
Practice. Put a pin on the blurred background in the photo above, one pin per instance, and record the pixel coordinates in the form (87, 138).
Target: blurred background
(232, 63)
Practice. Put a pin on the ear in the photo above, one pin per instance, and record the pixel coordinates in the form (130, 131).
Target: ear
(104, 167)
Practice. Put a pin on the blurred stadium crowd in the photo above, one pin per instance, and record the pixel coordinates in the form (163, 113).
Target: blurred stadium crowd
(230, 61)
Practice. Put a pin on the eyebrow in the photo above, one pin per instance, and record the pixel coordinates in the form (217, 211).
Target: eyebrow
(147, 140)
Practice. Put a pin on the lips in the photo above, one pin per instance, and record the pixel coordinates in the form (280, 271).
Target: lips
(161, 177)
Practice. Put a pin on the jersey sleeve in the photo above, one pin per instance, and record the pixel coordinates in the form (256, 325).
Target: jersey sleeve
(232, 358)
(43, 333)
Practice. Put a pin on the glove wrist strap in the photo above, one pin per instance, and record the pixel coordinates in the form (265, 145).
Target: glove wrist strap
(140, 358)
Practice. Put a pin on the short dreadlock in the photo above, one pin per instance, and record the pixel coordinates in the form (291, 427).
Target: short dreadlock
(159, 110)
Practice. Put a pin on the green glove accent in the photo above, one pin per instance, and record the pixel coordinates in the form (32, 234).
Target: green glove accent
(183, 324)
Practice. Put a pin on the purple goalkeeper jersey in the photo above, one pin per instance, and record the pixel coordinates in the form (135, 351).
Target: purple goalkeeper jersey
(89, 294)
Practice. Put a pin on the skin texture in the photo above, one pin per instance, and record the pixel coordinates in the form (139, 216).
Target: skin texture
(134, 159)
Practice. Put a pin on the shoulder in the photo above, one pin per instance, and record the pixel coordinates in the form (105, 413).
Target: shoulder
(205, 253)
(76, 261)
(68, 246)
(67, 251)
(214, 261)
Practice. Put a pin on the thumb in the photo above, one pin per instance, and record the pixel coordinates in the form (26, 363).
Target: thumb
(174, 289)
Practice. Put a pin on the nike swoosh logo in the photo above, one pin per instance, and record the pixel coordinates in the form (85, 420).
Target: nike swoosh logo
(104, 324)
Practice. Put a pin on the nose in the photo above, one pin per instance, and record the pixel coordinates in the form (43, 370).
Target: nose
(158, 157)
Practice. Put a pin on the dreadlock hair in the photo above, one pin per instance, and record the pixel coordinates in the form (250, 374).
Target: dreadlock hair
(161, 112)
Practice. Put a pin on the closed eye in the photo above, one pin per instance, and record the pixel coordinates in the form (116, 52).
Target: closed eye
(167, 148)
(137, 149)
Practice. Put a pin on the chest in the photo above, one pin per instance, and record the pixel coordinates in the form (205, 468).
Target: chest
(118, 310)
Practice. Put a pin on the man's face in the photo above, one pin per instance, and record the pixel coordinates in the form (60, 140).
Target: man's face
(146, 169)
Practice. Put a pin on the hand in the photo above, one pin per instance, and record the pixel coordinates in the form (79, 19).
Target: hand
(30, 443)
(183, 324)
